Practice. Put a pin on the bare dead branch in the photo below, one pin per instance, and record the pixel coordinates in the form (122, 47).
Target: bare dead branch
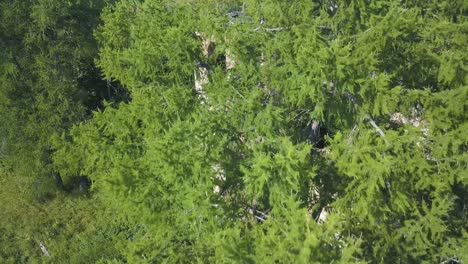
(377, 128)
(259, 218)
(44, 250)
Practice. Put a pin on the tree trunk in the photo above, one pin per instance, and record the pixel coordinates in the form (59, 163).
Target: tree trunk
(59, 182)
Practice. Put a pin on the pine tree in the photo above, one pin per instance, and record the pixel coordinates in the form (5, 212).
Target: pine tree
(48, 80)
(292, 131)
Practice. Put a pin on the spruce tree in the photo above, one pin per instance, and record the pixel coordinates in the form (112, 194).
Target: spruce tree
(289, 132)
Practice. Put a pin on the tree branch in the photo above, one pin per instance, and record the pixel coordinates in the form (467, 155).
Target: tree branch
(377, 128)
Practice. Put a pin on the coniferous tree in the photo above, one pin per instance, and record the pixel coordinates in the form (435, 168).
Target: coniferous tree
(268, 131)
(48, 78)
(254, 131)
(47, 82)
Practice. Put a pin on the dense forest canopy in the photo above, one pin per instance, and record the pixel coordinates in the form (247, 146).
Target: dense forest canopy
(159, 131)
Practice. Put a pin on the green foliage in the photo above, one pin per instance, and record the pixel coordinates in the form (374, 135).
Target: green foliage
(256, 131)
(73, 229)
(47, 53)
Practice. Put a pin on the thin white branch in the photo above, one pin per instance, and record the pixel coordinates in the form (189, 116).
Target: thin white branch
(275, 29)
(372, 122)
(259, 218)
(377, 127)
(44, 250)
(270, 29)
(262, 213)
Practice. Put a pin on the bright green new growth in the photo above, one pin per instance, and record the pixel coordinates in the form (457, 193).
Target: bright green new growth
(275, 132)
